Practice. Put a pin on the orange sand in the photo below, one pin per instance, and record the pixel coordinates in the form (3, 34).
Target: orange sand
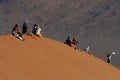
(46, 59)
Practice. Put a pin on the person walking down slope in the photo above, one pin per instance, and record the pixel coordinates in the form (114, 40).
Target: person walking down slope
(16, 33)
(109, 56)
(68, 41)
(74, 43)
(24, 27)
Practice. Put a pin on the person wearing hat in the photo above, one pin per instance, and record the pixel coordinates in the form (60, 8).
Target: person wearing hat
(109, 56)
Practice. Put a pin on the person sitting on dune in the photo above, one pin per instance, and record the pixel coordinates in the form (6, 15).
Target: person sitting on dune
(68, 41)
(74, 43)
(86, 49)
(16, 33)
(36, 30)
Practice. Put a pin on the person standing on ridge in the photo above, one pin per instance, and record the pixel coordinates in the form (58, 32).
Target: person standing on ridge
(109, 56)
(24, 27)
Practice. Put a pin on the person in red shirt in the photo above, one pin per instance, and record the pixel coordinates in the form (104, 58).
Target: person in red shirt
(74, 43)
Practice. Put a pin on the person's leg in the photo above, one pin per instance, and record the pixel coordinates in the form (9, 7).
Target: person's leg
(19, 34)
(24, 31)
(108, 61)
(38, 34)
(20, 38)
(73, 45)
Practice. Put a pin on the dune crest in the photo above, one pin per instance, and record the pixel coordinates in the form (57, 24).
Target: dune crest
(46, 59)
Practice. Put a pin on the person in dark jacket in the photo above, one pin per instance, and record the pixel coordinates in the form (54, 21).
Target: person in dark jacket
(68, 41)
(34, 29)
(24, 27)
(109, 56)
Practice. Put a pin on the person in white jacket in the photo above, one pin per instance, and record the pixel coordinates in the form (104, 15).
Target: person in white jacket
(86, 49)
(38, 31)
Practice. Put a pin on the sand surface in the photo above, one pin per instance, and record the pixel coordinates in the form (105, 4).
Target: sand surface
(47, 59)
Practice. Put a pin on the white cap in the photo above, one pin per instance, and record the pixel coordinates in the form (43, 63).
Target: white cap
(113, 53)
(26, 21)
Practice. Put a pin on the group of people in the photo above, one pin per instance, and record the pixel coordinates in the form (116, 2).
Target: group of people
(71, 43)
(36, 30)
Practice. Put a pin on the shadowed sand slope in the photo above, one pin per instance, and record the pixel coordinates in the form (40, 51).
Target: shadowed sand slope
(46, 59)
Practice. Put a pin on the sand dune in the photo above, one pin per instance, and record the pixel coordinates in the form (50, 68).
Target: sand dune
(46, 59)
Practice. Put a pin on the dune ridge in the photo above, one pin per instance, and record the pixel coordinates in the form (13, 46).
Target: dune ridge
(47, 59)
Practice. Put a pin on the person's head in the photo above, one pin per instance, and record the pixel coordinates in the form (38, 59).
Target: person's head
(35, 25)
(16, 25)
(68, 37)
(73, 39)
